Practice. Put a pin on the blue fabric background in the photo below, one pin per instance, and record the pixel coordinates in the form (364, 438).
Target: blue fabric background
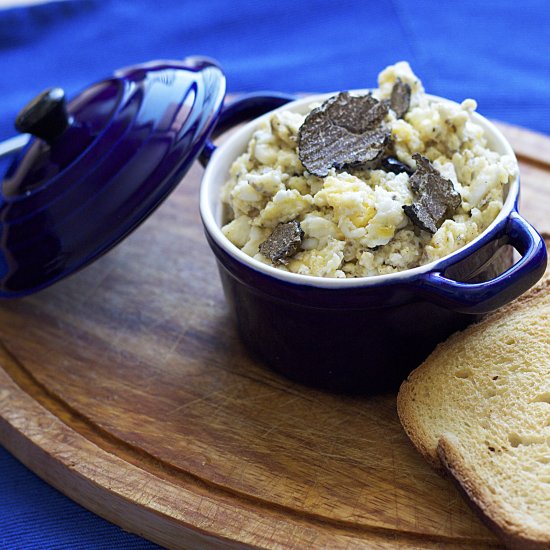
(494, 51)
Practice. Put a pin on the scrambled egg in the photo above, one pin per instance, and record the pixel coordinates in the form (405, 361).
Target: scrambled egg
(353, 221)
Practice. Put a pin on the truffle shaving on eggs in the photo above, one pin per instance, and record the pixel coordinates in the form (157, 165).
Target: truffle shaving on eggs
(436, 199)
(283, 243)
(344, 131)
(400, 98)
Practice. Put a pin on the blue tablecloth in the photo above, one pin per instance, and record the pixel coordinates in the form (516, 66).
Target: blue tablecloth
(495, 51)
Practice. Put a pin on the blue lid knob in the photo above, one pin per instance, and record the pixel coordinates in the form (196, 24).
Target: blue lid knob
(45, 116)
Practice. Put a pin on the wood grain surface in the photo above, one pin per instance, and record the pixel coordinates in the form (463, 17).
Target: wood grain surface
(127, 388)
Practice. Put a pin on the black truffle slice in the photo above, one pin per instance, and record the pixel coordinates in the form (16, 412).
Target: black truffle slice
(284, 242)
(344, 131)
(400, 99)
(436, 198)
(391, 164)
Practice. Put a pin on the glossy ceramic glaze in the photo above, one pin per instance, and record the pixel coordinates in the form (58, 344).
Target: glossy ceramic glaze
(365, 335)
(131, 139)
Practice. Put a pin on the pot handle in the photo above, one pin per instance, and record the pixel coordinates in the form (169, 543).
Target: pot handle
(487, 296)
(245, 108)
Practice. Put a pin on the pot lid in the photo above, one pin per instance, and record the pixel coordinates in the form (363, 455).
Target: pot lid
(98, 165)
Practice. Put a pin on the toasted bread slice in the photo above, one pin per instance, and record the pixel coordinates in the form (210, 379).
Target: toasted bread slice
(479, 409)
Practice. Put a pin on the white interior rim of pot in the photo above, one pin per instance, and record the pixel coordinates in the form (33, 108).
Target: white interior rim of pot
(217, 173)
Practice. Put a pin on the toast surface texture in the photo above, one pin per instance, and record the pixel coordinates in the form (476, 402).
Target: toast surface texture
(478, 409)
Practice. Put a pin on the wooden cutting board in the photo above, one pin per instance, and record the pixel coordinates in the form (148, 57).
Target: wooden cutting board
(127, 388)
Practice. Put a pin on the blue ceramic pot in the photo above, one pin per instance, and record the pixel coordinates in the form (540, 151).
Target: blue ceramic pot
(365, 334)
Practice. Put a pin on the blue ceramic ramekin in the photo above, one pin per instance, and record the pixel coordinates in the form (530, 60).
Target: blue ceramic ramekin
(365, 334)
